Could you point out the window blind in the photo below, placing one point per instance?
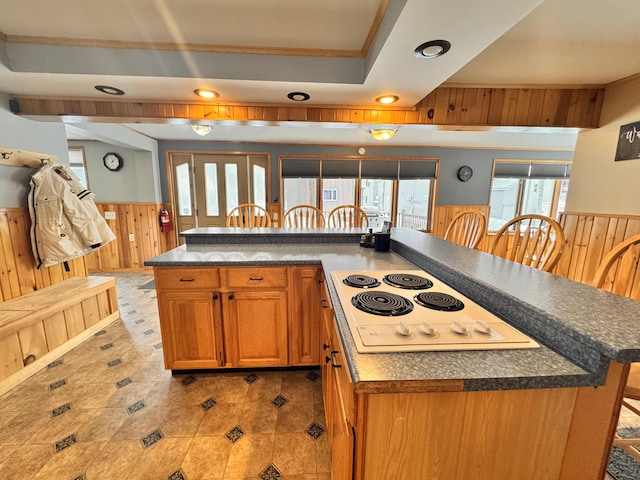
(300, 167)
(538, 170)
(417, 169)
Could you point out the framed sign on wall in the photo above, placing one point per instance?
(628, 142)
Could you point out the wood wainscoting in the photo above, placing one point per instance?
(589, 238)
(138, 237)
(18, 272)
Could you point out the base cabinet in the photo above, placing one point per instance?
(256, 333)
(245, 316)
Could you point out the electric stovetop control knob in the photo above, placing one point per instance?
(402, 329)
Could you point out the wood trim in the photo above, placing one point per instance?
(544, 107)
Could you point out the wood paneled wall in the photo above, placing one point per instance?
(141, 221)
(589, 238)
(18, 272)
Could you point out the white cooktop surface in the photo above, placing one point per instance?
(423, 329)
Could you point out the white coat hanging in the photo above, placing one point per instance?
(65, 222)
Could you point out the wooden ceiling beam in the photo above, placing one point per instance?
(445, 106)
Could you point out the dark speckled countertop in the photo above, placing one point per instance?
(579, 327)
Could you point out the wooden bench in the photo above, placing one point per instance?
(39, 327)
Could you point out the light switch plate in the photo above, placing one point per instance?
(110, 215)
(132, 237)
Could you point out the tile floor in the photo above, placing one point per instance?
(109, 410)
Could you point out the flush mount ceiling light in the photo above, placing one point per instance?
(201, 130)
(382, 134)
(432, 49)
(109, 90)
(387, 99)
(204, 93)
(298, 96)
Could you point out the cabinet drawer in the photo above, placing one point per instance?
(256, 277)
(168, 278)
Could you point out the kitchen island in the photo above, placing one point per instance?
(470, 414)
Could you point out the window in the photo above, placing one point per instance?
(396, 190)
(521, 188)
(78, 165)
(330, 194)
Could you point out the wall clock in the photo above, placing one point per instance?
(465, 173)
(112, 161)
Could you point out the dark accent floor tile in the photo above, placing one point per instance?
(124, 382)
(99, 332)
(79, 477)
(152, 438)
(312, 376)
(148, 332)
(106, 346)
(130, 312)
(315, 431)
(158, 346)
(270, 473)
(60, 410)
(58, 384)
(138, 322)
(188, 380)
(115, 362)
(55, 363)
(279, 401)
(177, 475)
(65, 442)
(252, 377)
(208, 404)
(139, 405)
(234, 434)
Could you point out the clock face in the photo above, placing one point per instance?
(112, 161)
(465, 173)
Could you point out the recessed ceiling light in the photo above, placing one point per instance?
(432, 49)
(298, 96)
(109, 90)
(204, 93)
(387, 99)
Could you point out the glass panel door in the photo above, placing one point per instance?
(376, 199)
(184, 207)
(336, 192)
(413, 203)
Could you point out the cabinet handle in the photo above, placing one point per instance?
(215, 296)
(187, 279)
(324, 303)
(325, 346)
(256, 278)
(327, 359)
(321, 280)
(333, 363)
(231, 296)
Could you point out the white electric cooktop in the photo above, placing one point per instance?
(412, 311)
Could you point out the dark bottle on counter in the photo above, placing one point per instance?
(367, 240)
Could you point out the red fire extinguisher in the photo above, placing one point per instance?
(165, 221)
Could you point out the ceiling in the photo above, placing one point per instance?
(338, 52)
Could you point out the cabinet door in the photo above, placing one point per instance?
(191, 329)
(256, 328)
(305, 316)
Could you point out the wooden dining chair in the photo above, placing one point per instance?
(304, 216)
(466, 228)
(618, 273)
(533, 240)
(248, 215)
(346, 216)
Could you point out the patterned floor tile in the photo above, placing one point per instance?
(234, 434)
(151, 439)
(65, 443)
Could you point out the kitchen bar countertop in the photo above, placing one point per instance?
(579, 327)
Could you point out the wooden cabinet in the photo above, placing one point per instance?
(338, 396)
(248, 316)
(306, 284)
(190, 323)
(189, 307)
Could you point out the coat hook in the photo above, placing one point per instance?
(5, 155)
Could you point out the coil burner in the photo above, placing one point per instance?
(361, 281)
(439, 301)
(407, 281)
(382, 303)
